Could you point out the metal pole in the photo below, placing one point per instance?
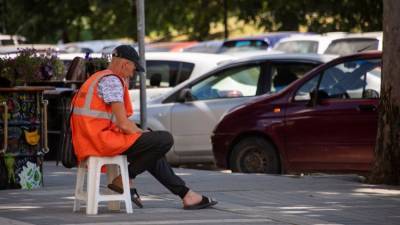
(140, 37)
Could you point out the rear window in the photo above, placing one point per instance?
(350, 46)
(243, 45)
(298, 47)
(163, 74)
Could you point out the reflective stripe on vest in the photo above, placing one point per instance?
(94, 113)
(86, 111)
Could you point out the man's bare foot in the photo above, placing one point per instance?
(191, 198)
(194, 201)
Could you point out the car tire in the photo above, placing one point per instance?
(254, 155)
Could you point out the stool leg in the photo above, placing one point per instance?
(125, 183)
(80, 180)
(112, 172)
(93, 185)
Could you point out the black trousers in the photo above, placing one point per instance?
(148, 154)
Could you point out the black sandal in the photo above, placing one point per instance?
(204, 203)
(135, 197)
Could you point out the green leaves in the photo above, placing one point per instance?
(77, 20)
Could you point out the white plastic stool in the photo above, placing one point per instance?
(92, 197)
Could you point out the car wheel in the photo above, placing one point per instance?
(254, 155)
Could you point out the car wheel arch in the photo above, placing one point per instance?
(259, 135)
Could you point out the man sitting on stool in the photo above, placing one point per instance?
(100, 127)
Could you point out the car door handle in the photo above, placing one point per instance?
(366, 108)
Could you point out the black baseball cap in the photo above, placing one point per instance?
(128, 52)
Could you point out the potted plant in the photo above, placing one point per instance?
(30, 65)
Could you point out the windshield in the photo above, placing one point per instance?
(350, 46)
(243, 45)
(298, 47)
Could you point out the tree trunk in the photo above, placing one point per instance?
(134, 24)
(387, 150)
(201, 28)
(226, 32)
(3, 11)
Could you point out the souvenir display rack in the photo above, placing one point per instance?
(24, 139)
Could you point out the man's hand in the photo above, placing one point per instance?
(122, 121)
(136, 127)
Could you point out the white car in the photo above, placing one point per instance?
(165, 70)
(356, 42)
(192, 109)
(307, 43)
(336, 43)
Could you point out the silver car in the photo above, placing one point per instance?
(192, 109)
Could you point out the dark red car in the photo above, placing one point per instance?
(324, 122)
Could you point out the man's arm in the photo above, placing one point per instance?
(122, 121)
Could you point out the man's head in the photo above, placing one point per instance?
(125, 61)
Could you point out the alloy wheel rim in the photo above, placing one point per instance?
(254, 161)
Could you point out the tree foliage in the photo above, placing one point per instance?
(317, 16)
(73, 20)
(188, 17)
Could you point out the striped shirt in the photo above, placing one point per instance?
(110, 89)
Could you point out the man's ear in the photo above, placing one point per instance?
(123, 65)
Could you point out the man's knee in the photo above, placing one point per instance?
(166, 140)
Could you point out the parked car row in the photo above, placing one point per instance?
(273, 113)
(251, 43)
(270, 104)
(338, 43)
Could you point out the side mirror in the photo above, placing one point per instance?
(185, 95)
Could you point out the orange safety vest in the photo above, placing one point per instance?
(94, 132)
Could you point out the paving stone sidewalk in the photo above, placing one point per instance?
(243, 199)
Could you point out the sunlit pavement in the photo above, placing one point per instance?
(243, 199)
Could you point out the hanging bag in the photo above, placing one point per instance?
(68, 157)
(76, 71)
